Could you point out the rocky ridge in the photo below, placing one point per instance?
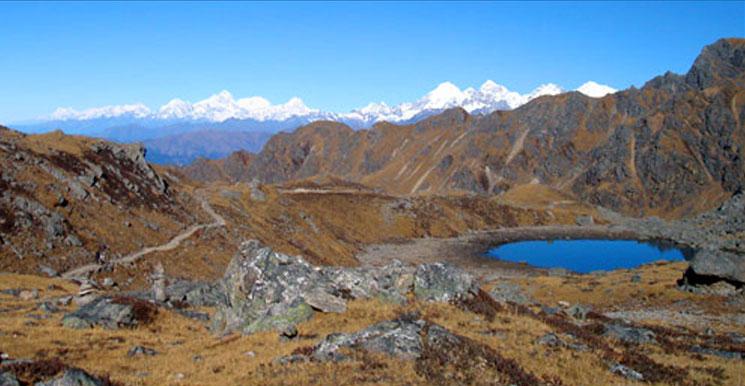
(66, 200)
(656, 150)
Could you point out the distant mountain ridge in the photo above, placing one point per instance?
(223, 106)
(222, 114)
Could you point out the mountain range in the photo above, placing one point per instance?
(221, 115)
(673, 147)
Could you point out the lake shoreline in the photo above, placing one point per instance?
(469, 251)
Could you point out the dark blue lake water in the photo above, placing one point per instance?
(585, 256)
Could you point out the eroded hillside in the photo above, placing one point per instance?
(66, 201)
(672, 148)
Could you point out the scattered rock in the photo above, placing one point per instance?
(29, 294)
(551, 340)
(48, 271)
(111, 313)
(579, 311)
(510, 293)
(630, 334)
(108, 282)
(550, 310)
(48, 307)
(141, 350)
(292, 358)
(636, 278)
(11, 291)
(719, 353)
(584, 220)
(288, 333)
(626, 372)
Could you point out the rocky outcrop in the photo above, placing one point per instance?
(265, 290)
(400, 338)
(74, 377)
(59, 194)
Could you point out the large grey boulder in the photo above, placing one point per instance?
(265, 290)
(720, 264)
(400, 338)
(111, 313)
(442, 282)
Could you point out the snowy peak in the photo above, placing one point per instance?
(223, 106)
(490, 96)
(596, 90)
(137, 110)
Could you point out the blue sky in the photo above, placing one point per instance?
(335, 56)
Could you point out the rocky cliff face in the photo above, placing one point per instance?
(672, 148)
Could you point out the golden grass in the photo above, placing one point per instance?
(191, 355)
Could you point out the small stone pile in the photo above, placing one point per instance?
(88, 292)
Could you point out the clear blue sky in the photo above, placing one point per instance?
(335, 56)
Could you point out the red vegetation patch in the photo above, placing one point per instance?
(462, 361)
(35, 371)
(591, 335)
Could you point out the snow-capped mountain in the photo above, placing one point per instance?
(180, 131)
(489, 97)
(222, 106)
(595, 90)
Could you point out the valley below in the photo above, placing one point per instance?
(341, 256)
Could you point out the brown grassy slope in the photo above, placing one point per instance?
(122, 210)
(185, 346)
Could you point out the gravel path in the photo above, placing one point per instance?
(219, 221)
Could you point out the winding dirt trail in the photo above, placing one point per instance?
(172, 244)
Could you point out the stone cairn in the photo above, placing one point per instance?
(158, 279)
(88, 292)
